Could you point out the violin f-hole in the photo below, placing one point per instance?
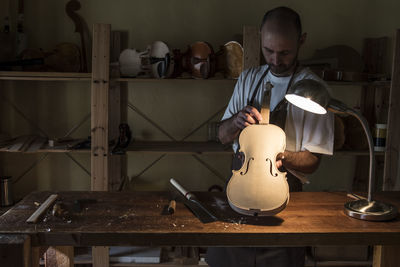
(270, 167)
(247, 168)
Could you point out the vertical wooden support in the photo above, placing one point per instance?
(60, 256)
(386, 256)
(251, 47)
(15, 250)
(100, 106)
(106, 117)
(391, 177)
(102, 257)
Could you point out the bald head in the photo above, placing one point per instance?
(282, 21)
(281, 39)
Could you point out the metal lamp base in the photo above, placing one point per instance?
(370, 210)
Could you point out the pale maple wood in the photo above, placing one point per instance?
(259, 188)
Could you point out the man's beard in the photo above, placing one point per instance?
(282, 70)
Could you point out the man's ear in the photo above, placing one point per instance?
(303, 38)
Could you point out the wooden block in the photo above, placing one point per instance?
(101, 256)
(251, 47)
(60, 256)
(15, 250)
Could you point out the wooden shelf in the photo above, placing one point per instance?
(209, 147)
(39, 144)
(44, 76)
(179, 147)
(376, 83)
(126, 79)
(36, 144)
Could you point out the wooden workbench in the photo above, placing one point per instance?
(311, 218)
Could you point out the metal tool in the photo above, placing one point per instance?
(204, 215)
(42, 208)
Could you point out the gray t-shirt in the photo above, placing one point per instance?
(304, 130)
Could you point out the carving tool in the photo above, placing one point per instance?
(204, 215)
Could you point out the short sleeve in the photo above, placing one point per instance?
(309, 131)
(236, 101)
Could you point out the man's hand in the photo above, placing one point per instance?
(247, 116)
(303, 161)
(230, 128)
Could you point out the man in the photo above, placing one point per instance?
(307, 135)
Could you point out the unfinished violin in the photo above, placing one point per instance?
(258, 188)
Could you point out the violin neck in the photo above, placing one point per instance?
(265, 105)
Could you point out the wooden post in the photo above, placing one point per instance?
(386, 256)
(391, 179)
(15, 250)
(251, 47)
(102, 257)
(106, 117)
(100, 106)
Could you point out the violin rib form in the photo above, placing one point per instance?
(259, 188)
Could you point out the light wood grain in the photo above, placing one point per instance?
(101, 256)
(100, 106)
(251, 47)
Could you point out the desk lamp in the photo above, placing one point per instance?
(313, 96)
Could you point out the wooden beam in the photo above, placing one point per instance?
(100, 106)
(251, 47)
(391, 179)
(105, 120)
(60, 256)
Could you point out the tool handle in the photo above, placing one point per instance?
(180, 188)
(171, 206)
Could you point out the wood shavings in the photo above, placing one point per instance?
(123, 216)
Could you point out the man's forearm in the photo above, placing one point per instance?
(228, 131)
(303, 161)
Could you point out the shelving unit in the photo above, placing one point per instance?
(107, 94)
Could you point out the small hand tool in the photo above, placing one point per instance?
(194, 204)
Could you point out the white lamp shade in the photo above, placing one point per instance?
(305, 103)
